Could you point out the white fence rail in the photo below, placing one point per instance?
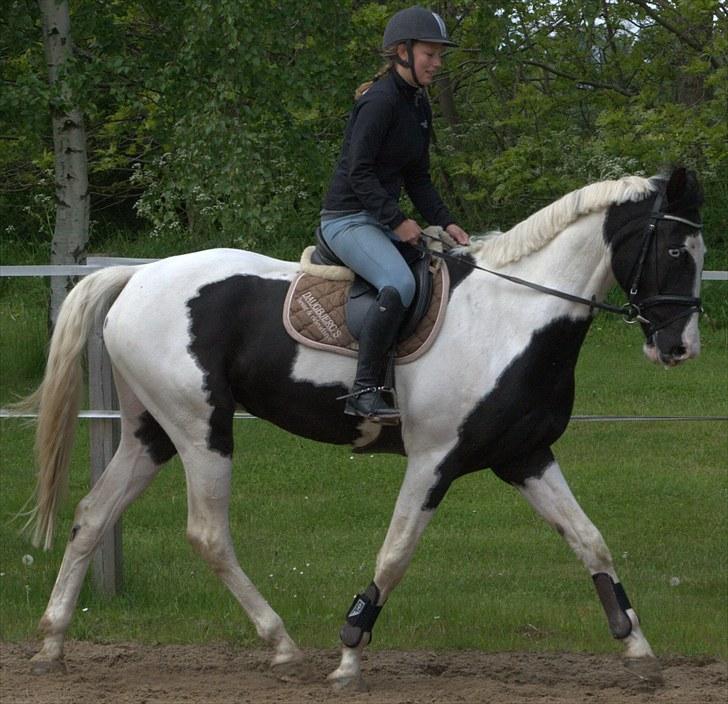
(96, 263)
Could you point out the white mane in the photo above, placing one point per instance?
(540, 228)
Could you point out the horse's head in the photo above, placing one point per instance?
(657, 257)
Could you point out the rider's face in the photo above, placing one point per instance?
(427, 60)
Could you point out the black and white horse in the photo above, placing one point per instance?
(193, 337)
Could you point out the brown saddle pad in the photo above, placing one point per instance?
(314, 314)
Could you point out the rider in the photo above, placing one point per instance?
(386, 146)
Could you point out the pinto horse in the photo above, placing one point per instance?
(193, 337)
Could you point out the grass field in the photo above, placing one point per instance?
(308, 520)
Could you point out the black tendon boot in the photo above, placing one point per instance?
(378, 334)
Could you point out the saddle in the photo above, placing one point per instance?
(327, 302)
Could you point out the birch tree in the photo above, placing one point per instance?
(71, 229)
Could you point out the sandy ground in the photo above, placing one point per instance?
(216, 674)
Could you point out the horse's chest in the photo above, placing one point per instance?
(529, 403)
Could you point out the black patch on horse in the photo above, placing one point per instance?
(238, 340)
(152, 436)
(512, 428)
(459, 267)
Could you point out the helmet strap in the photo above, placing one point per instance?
(409, 63)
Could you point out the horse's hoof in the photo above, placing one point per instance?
(348, 683)
(297, 670)
(647, 669)
(47, 667)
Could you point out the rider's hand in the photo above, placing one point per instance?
(408, 231)
(457, 233)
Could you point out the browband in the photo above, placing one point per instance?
(697, 225)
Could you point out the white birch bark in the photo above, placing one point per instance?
(71, 230)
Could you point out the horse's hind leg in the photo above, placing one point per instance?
(551, 497)
(130, 471)
(208, 530)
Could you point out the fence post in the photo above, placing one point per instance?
(104, 439)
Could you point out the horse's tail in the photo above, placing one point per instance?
(58, 398)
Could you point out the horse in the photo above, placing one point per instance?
(194, 337)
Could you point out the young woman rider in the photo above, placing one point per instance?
(386, 147)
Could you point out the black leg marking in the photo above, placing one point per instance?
(361, 617)
(615, 602)
(152, 436)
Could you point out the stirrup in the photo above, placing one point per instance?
(386, 415)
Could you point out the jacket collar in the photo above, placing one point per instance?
(409, 91)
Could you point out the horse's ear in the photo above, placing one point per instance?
(677, 184)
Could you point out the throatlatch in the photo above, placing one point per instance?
(361, 617)
(615, 602)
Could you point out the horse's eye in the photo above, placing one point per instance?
(675, 252)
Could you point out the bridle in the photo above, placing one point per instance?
(634, 311)
(691, 304)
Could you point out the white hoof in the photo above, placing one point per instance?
(647, 669)
(44, 666)
(349, 683)
(286, 656)
(293, 671)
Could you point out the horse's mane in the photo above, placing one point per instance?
(500, 248)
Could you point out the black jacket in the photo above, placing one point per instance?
(386, 146)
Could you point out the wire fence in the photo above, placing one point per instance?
(240, 415)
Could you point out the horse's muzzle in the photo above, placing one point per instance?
(674, 355)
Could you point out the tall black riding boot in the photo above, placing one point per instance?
(378, 334)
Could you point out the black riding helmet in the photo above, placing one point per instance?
(415, 24)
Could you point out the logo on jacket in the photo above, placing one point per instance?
(424, 124)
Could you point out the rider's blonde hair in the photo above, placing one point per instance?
(389, 55)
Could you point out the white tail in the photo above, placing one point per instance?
(58, 398)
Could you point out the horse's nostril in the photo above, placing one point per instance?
(677, 351)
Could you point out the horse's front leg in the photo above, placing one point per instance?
(551, 497)
(408, 522)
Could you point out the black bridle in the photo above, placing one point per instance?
(634, 310)
(637, 307)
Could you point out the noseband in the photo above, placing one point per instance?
(631, 312)
(635, 310)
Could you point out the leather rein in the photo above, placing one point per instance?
(632, 311)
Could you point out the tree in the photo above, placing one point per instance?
(221, 121)
(71, 230)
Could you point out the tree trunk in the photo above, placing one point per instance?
(446, 98)
(69, 144)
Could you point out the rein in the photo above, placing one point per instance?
(591, 302)
(630, 311)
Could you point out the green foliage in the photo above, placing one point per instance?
(220, 122)
(555, 95)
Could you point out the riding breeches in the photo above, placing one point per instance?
(366, 246)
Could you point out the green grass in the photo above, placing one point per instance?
(308, 520)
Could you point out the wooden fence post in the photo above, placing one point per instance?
(104, 439)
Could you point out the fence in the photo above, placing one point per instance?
(107, 565)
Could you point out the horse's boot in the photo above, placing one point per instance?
(378, 334)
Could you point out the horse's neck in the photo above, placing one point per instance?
(576, 261)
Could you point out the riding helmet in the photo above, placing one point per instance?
(416, 24)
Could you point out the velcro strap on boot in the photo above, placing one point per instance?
(615, 602)
(361, 617)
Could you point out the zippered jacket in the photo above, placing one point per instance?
(386, 147)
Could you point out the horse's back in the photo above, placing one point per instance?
(207, 266)
(158, 303)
